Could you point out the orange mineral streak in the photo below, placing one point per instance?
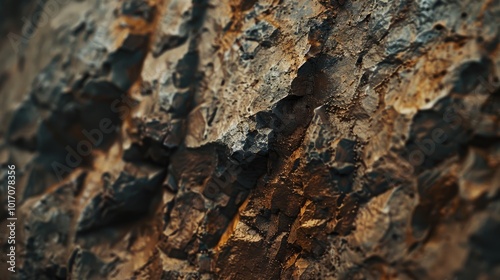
(231, 227)
(227, 40)
(487, 6)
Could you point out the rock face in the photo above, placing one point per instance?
(252, 139)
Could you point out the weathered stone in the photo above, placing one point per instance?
(252, 139)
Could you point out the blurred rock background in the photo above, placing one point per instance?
(252, 139)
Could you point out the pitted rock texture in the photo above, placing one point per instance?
(253, 139)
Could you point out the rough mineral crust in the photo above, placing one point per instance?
(252, 139)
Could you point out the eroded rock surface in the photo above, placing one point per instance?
(254, 139)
